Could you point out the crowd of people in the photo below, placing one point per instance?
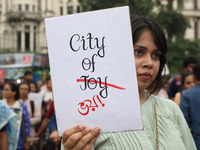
(24, 121)
(27, 119)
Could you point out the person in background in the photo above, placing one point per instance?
(48, 95)
(175, 85)
(164, 88)
(2, 83)
(28, 77)
(39, 84)
(24, 90)
(33, 87)
(50, 122)
(190, 106)
(8, 128)
(163, 121)
(187, 82)
(11, 99)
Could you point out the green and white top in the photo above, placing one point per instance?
(174, 133)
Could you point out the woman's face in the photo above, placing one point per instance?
(147, 59)
(189, 82)
(7, 92)
(23, 90)
(32, 88)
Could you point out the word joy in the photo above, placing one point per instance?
(86, 105)
(91, 83)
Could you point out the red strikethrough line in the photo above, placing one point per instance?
(93, 81)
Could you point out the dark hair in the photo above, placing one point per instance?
(14, 88)
(27, 73)
(35, 86)
(48, 79)
(184, 75)
(29, 88)
(139, 24)
(196, 71)
(189, 60)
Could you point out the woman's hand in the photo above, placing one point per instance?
(27, 144)
(54, 137)
(80, 138)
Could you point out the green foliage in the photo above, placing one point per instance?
(173, 22)
(178, 50)
(142, 7)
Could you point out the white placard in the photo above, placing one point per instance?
(93, 70)
(37, 98)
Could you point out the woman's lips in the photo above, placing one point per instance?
(145, 76)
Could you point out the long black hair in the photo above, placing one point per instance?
(14, 88)
(139, 24)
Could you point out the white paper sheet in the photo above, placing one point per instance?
(93, 70)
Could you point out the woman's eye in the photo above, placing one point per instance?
(156, 55)
(138, 52)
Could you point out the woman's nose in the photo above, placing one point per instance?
(148, 62)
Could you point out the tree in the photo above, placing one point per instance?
(173, 22)
(180, 49)
(142, 7)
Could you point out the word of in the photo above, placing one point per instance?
(86, 105)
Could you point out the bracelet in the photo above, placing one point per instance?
(36, 138)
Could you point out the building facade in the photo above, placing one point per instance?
(190, 9)
(22, 22)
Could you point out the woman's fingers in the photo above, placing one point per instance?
(69, 132)
(87, 140)
(76, 137)
(80, 137)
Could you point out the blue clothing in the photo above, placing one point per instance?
(27, 127)
(52, 123)
(190, 106)
(8, 119)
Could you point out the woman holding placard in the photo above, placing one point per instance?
(164, 124)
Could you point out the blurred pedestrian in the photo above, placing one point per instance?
(187, 82)
(11, 99)
(28, 77)
(50, 122)
(8, 128)
(24, 90)
(164, 88)
(175, 85)
(33, 87)
(48, 95)
(2, 83)
(190, 106)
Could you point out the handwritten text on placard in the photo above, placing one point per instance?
(90, 42)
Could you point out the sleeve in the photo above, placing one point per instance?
(26, 120)
(185, 106)
(184, 129)
(50, 111)
(52, 123)
(36, 118)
